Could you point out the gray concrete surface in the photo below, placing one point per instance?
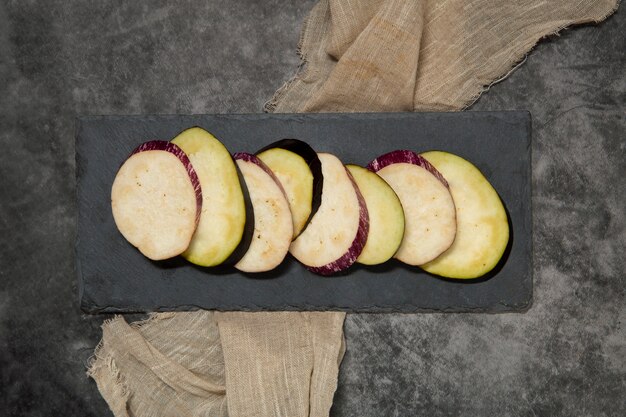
(564, 357)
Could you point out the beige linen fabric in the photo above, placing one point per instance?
(169, 365)
(360, 55)
(179, 364)
(286, 363)
(411, 55)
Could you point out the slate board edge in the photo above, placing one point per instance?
(78, 124)
(531, 243)
(501, 308)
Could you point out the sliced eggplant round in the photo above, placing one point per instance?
(386, 217)
(273, 227)
(337, 233)
(482, 223)
(430, 214)
(298, 168)
(226, 222)
(156, 199)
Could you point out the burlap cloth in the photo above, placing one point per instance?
(358, 55)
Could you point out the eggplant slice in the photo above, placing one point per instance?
(482, 222)
(156, 200)
(386, 216)
(337, 233)
(227, 220)
(429, 211)
(298, 168)
(273, 227)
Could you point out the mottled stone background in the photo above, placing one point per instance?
(564, 357)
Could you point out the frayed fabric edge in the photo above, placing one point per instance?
(272, 103)
(521, 58)
(103, 369)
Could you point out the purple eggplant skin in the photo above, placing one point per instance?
(248, 229)
(310, 157)
(407, 157)
(349, 258)
(248, 157)
(163, 145)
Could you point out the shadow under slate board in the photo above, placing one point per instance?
(114, 277)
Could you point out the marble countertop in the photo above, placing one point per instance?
(565, 356)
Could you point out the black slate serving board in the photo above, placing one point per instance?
(114, 277)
